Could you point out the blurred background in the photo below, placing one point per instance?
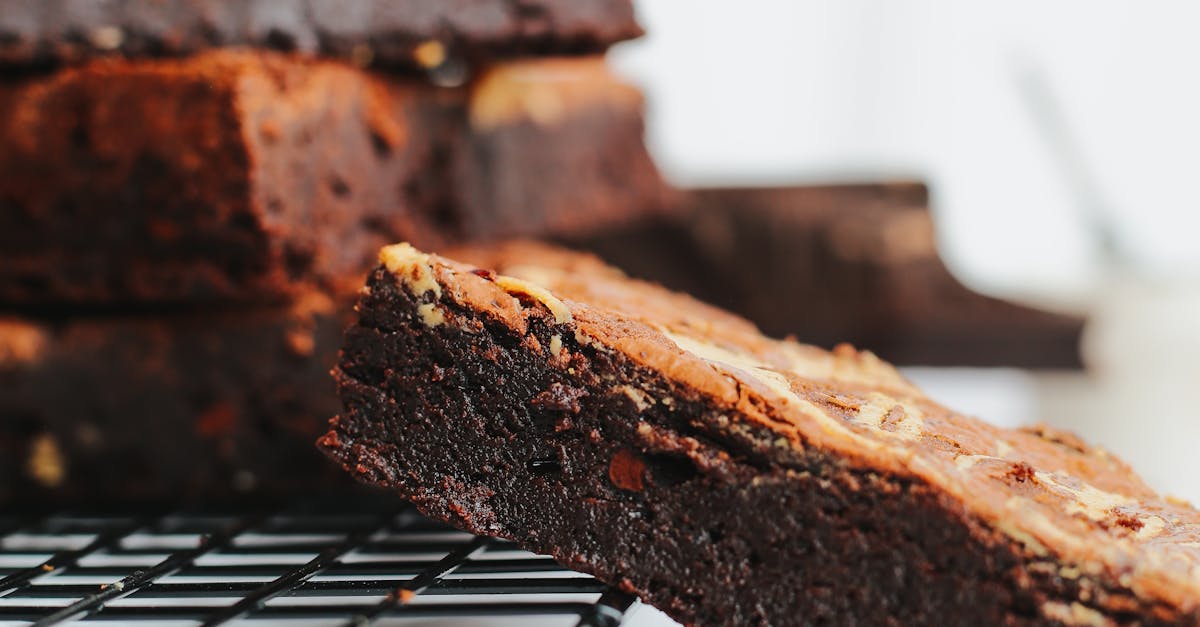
(1059, 142)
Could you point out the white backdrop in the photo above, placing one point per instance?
(784, 90)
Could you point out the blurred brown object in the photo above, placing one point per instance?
(414, 35)
(851, 263)
(210, 405)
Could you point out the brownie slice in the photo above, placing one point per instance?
(240, 176)
(727, 478)
(561, 135)
(409, 35)
(860, 263)
(214, 405)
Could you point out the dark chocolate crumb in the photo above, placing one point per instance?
(1127, 521)
(1022, 472)
(559, 397)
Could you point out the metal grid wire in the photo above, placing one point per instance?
(301, 564)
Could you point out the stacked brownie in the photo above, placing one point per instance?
(191, 193)
(412, 35)
(860, 265)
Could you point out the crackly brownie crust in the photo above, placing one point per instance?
(726, 478)
(214, 405)
(285, 172)
(862, 266)
(410, 35)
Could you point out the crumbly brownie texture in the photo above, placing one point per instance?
(727, 478)
(414, 34)
(861, 265)
(238, 176)
(213, 406)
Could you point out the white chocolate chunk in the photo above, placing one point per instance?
(1086, 499)
(412, 267)
(1075, 614)
(513, 285)
(46, 463)
(431, 316)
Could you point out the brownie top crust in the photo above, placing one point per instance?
(545, 90)
(1075, 508)
(411, 35)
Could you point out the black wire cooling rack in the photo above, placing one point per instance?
(304, 564)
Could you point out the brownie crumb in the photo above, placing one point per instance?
(485, 273)
(1127, 521)
(559, 397)
(627, 471)
(1022, 472)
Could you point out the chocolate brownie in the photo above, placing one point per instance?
(240, 176)
(412, 35)
(672, 450)
(213, 405)
(860, 263)
(562, 135)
